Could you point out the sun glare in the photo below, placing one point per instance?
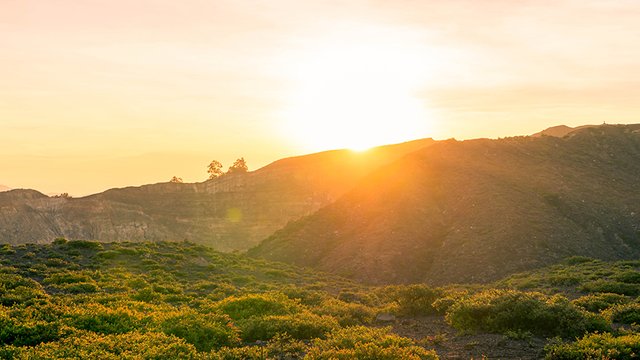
(357, 94)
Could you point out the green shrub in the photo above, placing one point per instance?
(510, 310)
(616, 287)
(352, 296)
(347, 314)
(367, 344)
(80, 288)
(257, 305)
(244, 353)
(15, 289)
(301, 326)
(55, 262)
(443, 304)
(629, 277)
(149, 346)
(280, 347)
(67, 278)
(598, 302)
(59, 241)
(108, 254)
(413, 299)
(597, 347)
(624, 313)
(305, 296)
(25, 331)
(105, 320)
(146, 294)
(204, 331)
(83, 244)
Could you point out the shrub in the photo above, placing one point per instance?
(598, 302)
(347, 314)
(280, 347)
(244, 353)
(304, 296)
(108, 254)
(629, 277)
(15, 289)
(59, 241)
(301, 326)
(67, 278)
(443, 304)
(597, 347)
(146, 294)
(624, 313)
(83, 244)
(105, 320)
(23, 331)
(615, 287)
(80, 288)
(204, 331)
(151, 346)
(257, 305)
(367, 344)
(413, 299)
(509, 310)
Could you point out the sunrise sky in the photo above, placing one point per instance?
(107, 93)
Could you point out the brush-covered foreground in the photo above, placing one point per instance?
(82, 299)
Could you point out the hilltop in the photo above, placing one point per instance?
(561, 130)
(232, 212)
(477, 210)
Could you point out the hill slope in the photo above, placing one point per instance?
(561, 130)
(478, 210)
(228, 213)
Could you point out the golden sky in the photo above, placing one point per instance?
(107, 93)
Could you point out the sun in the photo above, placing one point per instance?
(357, 93)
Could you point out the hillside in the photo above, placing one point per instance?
(478, 210)
(561, 130)
(179, 300)
(232, 212)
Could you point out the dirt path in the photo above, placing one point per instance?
(434, 332)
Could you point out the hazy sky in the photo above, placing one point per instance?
(103, 93)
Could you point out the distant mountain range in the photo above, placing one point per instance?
(466, 211)
(4, 188)
(233, 212)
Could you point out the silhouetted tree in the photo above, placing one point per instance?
(238, 167)
(177, 180)
(215, 169)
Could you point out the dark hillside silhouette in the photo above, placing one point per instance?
(478, 210)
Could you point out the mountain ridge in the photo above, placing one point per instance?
(232, 212)
(476, 210)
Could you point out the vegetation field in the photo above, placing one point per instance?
(178, 300)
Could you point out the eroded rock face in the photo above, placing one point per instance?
(233, 212)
